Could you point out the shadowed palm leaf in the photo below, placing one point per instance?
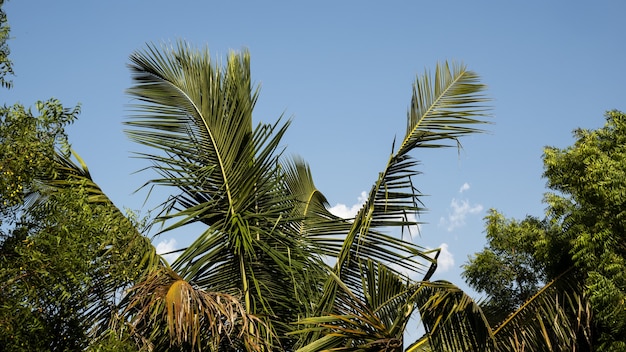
(453, 320)
(374, 324)
(557, 318)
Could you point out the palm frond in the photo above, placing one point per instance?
(441, 110)
(373, 320)
(453, 321)
(444, 107)
(557, 318)
(421, 345)
(198, 117)
(193, 318)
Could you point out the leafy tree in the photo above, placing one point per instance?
(27, 146)
(65, 250)
(582, 234)
(62, 250)
(508, 269)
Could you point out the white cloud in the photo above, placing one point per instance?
(460, 209)
(464, 188)
(166, 246)
(346, 212)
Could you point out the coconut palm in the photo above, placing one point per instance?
(272, 268)
(268, 232)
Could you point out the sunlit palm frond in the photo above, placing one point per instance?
(444, 107)
(557, 318)
(421, 345)
(200, 117)
(441, 110)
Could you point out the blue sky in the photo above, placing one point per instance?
(343, 72)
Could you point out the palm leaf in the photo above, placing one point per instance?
(453, 321)
(127, 255)
(376, 323)
(442, 110)
(557, 318)
(198, 116)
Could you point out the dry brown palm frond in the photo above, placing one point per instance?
(192, 317)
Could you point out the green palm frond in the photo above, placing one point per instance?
(322, 229)
(557, 318)
(200, 117)
(442, 109)
(439, 111)
(373, 320)
(421, 345)
(453, 321)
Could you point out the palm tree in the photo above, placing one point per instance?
(257, 278)
(268, 230)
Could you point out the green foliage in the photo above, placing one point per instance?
(584, 231)
(589, 180)
(512, 267)
(63, 249)
(27, 149)
(48, 274)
